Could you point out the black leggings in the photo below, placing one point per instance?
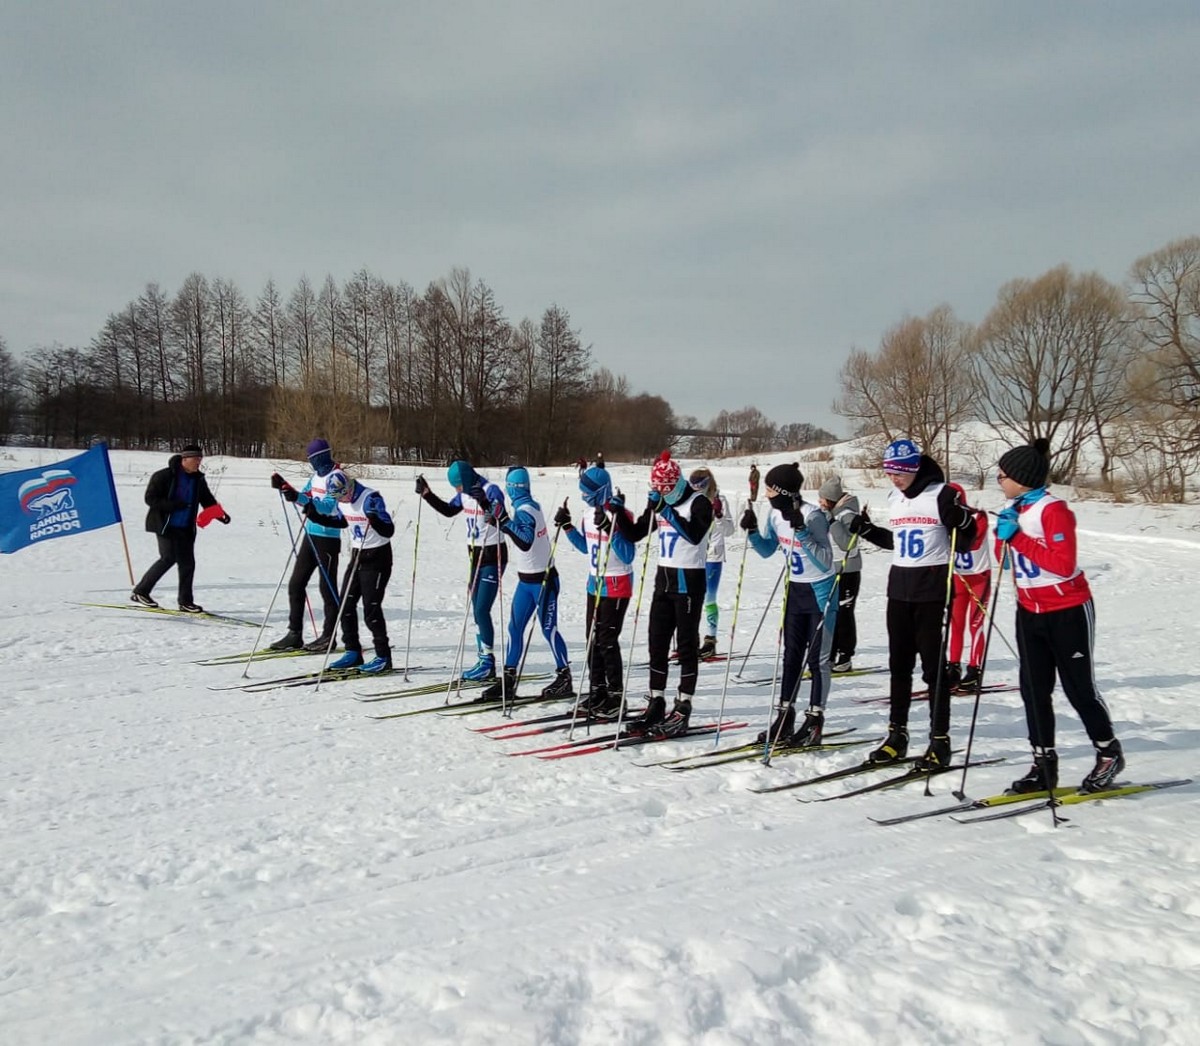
(915, 629)
(604, 661)
(176, 548)
(312, 547)
(368, 584)
(676, 614)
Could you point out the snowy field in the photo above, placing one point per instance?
(182, 864)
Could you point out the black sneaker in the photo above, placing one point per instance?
(1041, 777)
(676, 723)
(1110, 761)
(653, 714)
(191, 608)
(970, 679)
(937, 755)
(320, 645)
(708, 648)
(292, 641)
(893, 749)
(144, 601)
(780, 733)
(561, 685)
(811, 730)
(505, 686)
(601, 704)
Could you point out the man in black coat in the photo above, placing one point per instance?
(175, 496)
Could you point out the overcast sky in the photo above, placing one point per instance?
(725, 197)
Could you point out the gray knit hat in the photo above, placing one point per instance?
(831, 490)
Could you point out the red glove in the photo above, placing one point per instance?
(213, 512)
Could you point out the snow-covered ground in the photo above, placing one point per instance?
(183, 864)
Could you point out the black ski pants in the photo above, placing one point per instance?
(1060, 642)
(176, 548)
(604, 660)
(369, 570)
(320, 554)
(845, 635)
(801, 645)
(915, 630)
(676, 615)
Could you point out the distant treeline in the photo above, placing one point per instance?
(373, 366)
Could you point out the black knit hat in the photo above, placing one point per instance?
(787, 479)
(191, 450)
(1029, 465)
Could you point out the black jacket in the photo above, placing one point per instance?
(162, 498)
(926, 584)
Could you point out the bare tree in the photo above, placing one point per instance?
(1049, 361)
(10, 389)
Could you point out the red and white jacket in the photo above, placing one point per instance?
(1046, 567)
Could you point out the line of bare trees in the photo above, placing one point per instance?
(1101, 371)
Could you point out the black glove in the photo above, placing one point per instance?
(310, 510)
(859, 524)
(562, 518)
(500, 514)
(600, 518)
(480, 495)
(277, 481)
(290, 493)
(422, 487)
(617, 501)
(225, 519)
(749, 519)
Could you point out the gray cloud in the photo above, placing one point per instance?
(725, 197)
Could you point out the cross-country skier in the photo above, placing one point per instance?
(480, 501)
(680, 518)
(318, 552)
(802, 531)
(362, 511)
(840, 508)
(968, 610)
(536, 589)
(610, 558)
(703, 481)
(923, 512)
(1056, 619)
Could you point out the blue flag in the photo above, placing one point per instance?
(66, 498)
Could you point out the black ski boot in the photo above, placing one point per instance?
(893, 749)
(811, 730)
(952, 675)
(676, 724)
(1042, 776)
(561, 685)
(504, 687)
(292, 641)
(1110, 761)
(708, 648)
(937, 755)
(320, 644)
(780, 734)
(653, 714)
(970, 679)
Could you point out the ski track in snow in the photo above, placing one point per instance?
(186, 865)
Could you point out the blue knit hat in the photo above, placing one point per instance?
(516, 485)
(460, 474)
(595, 485)
(902, 455)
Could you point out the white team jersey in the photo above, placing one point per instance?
(801, 566)
(674, 550)
(978, 561)
(1028, 575)
(362, 535)
(481, 525)
(720, 530)
(535, 559)
(919, 538)
(596, 542)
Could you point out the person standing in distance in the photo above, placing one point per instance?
(178, 498)
(318, 551)
(840, 508)
(753, 483)
(1056, 619)
(704, 482)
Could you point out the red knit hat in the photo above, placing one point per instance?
(664, 473)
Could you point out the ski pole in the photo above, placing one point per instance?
(766, 610)
(351, 574)
(961, 793)
(591, 637)
(288, 520)
(271, 606)
(737, 600)
(475, 555)
(500, 564)
(412, 595)
(936, 698)
(538, 610)
(637, 610)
